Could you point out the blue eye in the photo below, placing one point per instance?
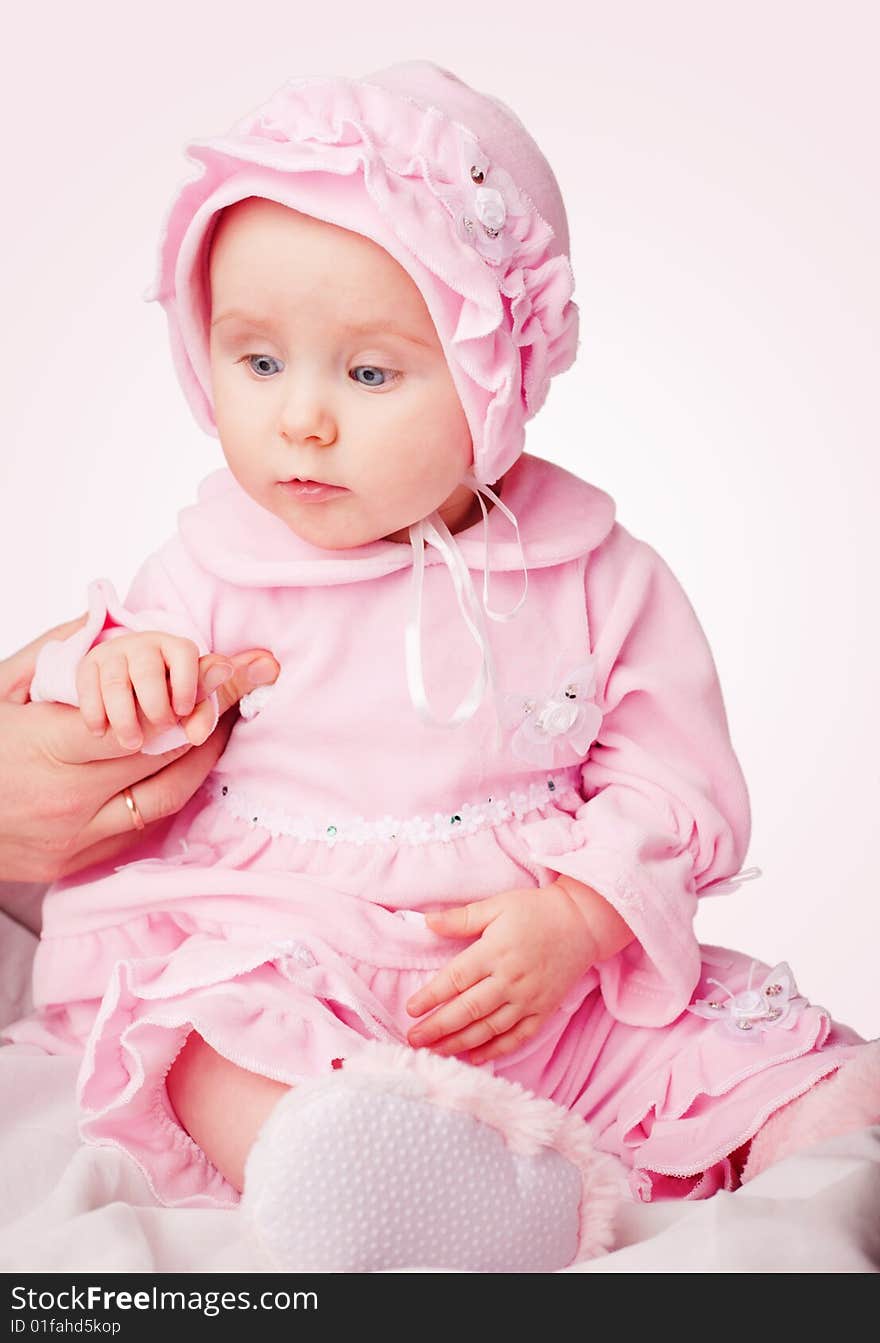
(389, 375)
(261, 364)
(262, 359)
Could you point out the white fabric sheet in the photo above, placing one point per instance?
(68, 1207)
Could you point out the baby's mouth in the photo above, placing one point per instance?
(316, 490)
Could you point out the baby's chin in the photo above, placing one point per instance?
(322, 524)
(332, 524)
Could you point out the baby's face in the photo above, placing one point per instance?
(299, 392)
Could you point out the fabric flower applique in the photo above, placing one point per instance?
(558, 725)
(750, 1013)
(498, 221)
(484, 203)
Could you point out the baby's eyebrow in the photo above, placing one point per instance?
(353, 328)
(366, 328)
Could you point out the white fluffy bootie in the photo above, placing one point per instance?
(404, 1158)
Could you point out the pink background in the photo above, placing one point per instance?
(719, 165)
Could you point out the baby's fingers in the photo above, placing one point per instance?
(507, 1041)
(455, 978)
(119, 702)
(88, 692)
(147, 671)
(182, 660)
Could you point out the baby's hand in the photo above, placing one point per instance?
(137, 669)
(535, 944)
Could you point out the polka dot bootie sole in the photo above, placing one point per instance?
(408, 1159)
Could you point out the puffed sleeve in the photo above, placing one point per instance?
(666, 809)
(168, 593)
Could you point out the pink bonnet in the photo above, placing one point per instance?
(446, 179)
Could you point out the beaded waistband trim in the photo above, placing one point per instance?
(469, 817)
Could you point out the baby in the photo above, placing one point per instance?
(368, 291)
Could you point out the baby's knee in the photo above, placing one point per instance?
(220, 1105)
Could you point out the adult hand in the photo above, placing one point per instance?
(61, 803)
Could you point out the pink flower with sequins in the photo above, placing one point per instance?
(749, 1014)
(484, 203)
(558, 724)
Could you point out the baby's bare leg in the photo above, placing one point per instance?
(221, 1106)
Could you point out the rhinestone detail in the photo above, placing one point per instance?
(465, 820)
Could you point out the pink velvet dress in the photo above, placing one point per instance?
(280, 912)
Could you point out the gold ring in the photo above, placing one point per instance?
(133, 808)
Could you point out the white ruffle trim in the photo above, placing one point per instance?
(465, 820)
(252, 703)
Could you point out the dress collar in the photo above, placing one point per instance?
(560, 517)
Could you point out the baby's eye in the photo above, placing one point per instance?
(258, 363)
(389, 375)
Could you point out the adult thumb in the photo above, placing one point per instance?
(251, 669)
